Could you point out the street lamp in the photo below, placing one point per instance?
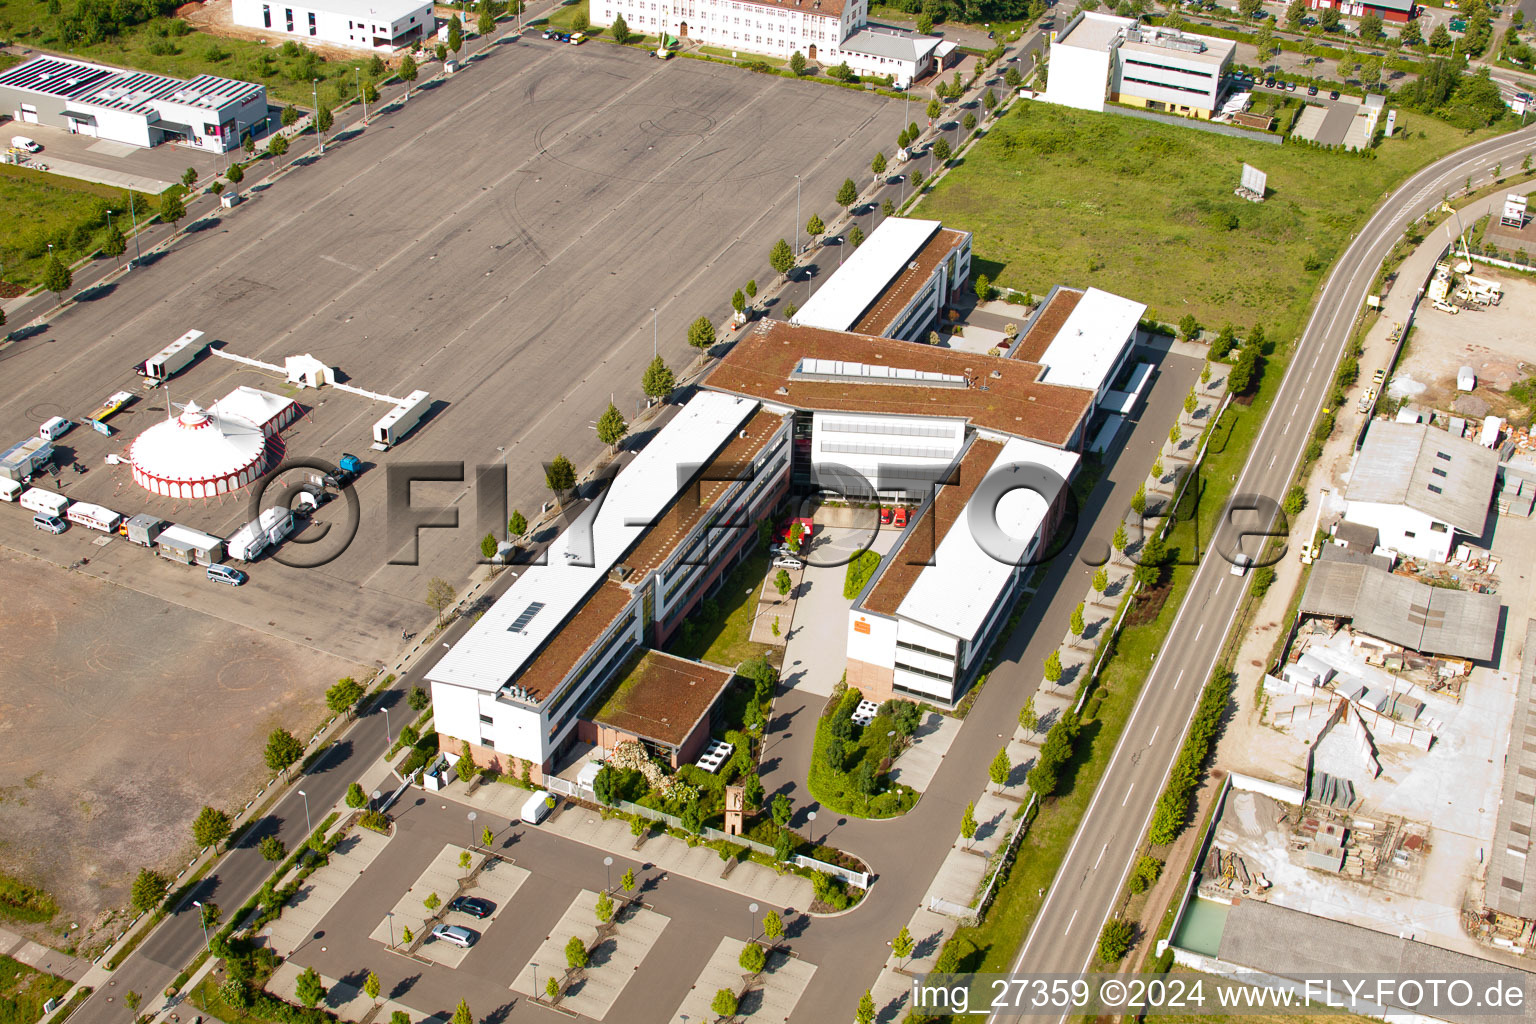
(752, 931)
(360, 94)
(472, 817)
(386, 722)
(132, 212)
(797, 216)
(375, 805)
(318, 133)
(390, 916)
(202, 919)
(308, 825)
(535, 966)
(653, 332)
(810, 817)
(608, 869)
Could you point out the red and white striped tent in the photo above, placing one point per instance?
(203, 453)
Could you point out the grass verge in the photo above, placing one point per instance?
(38, 208)
(22, 902)
(24, 990)
(720, 630)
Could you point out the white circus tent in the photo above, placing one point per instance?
(203, 453)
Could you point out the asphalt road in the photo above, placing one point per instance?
(1090, 878)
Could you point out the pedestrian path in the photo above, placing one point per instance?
(614, 955)
(40, 957)
(320, 891)
(771, 996)
(344, 1000)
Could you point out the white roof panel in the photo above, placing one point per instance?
(1085, 349)
(956, 593)
(492, 653)
(839, 303)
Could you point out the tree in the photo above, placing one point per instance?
(1115, 940)
(405, 936)
(418, 699)
(1013, 79)
(968, 121)
(1149, 561)
(934, 109)
(783, 845)
(272, 848)
(1328, 19)
(738, 300)
(1205, 375)
(277, 145)
(560, 476)
(440, 596)
(324, 119)
(1189, 327)
(701, 333)
(456, 34)
(989, 100)
(781, 809)
(1028, 718)
(148, 890)
(620, 30)
(603, 908)
(488, 546)
(441, 51)
(1369, 27)
(171, 210)
(465, 766)
(56, 277)
(780, 258)
(903, 944)
(814, 226)
(842, 72)
(371, 986)
(998, 770)
(210, 827)
(433, 901)
(1410, 35)
(658, 381)
(1052, 667)
(724, 1003)
(878, 164)
(924, 23)
(866, 1011)
(856, 236)
(752, 958)
(967, 829)
(847, 194)
(1076, 623)
(552, 989)
(611, 428)
(627, 880)
(1295, 500)
(1139, 500)
(941, 150)
(1296, 15)
(773, 926)
(753, 787)
(235, 174)
(1157, 468)
(114, 245)
(1241, 376)
(355, 796)
(575, 954)
(310, 990)
(751, 288)
(1100, 581)
(249, 145)
(290, 116)
(887, 208)
(462, 1014)
(133, 1001)
(782, 583)
(916, 178)
(1145, 874)
(283, 749)
(797, 63)
(407, 73)
(1119, 540)
(983, 287)
(189, 177)
(486, 23)
(344, 695)
(370, 91)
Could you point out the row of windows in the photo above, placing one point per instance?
(1170, 70)
(1165, 85)
(946, 655)
(925, 673)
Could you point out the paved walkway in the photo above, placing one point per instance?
(101, 175)
(614, 955)
(771, 996)
(321, 890)
(40, 957)
(585, 826)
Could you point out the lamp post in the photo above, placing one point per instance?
(360, 94)
(386, 722)
(653, 332)
(308, 825)
(202, 919)
(472, 817)
(797, 216)
(752, 931)
(318, 133)
(390, 916)
(133, 213)
(810, 827)
(535, 965)
(608, 870)
(377, 794)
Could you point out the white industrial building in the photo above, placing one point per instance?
(826, 32)
(1420, 487)
(379, 25)
(133, 107)
(1101, 56)
(896, 283)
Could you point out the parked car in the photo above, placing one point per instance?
(227, 574)
(1311, 90)
(455, 935)
(1378, 377)
(550, 33)
(474, 906)
(22, 142)
(1333, 94)
(788, 562)
(53, 524)
(1291, 86)
(1269, 83)
(899, 520)
(576, 39)
(885, 516)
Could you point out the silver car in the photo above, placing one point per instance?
(455, 935)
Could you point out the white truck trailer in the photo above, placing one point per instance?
(266, 530)
(172, 359)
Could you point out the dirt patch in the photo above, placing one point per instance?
(217, 18)
(121, 716)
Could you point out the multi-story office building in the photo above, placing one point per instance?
(1099, 56)
(380, 25)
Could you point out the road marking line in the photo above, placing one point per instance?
(1128, 794)
(1101, 857)
(1154, 735)
(1272, 459)
(1200, 630)
(1179, 680)
(1069, 923)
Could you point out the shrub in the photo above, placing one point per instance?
(355, 795)
(1173, 805)
(860, 569)
(1115, 940)
(1145, 874)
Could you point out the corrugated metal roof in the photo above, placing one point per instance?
(1447, 478)
(57, 76)
(1403, 611)
(1511, 885)
(838, 304)
(890, 43)
(1084, 350)
(492, 653)
(957, 593)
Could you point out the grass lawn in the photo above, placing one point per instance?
(22, 902)
(1057, 196)
(837, 787)
(23, 991)
(37, 208)
(724, 638)
(156, 46)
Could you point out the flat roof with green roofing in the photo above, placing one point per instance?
(660, 697)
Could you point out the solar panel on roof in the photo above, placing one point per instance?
(521, 622)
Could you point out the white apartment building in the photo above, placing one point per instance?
(776, 28)
(379, 25)
(1099, 56)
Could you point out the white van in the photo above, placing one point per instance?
(537, 808)
(44, 502)
(10, 490)
(55, 428)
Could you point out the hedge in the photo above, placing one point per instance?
(1173, 805)
(860, 569)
